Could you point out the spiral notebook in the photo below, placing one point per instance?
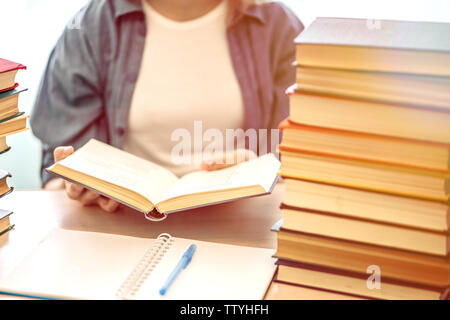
(89, 265)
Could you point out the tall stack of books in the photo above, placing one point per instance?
(11, 121)
(366, 157)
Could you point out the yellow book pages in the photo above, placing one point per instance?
(375, 206)
(7, 79)
(381, 45)
(370, 117)
(339, 227)
(283, 291)
(351, 285)
(384, 87)
(14, 125)
(354, 256)
(369, 147)
(366, 175)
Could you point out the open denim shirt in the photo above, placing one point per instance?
(88, 84)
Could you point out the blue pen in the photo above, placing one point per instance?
(184, 261)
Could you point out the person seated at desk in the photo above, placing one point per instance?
(130, 72)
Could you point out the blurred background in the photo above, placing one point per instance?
(33, 27)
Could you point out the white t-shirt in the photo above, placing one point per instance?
(186, 75)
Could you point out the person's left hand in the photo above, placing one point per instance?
(226, 160)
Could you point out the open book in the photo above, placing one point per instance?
(155, 191)
(89, 265)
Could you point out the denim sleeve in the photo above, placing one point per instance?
(287, 28)
(68, 109)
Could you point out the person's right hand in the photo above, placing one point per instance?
(76, 192)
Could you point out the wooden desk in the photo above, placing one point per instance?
(245, 222)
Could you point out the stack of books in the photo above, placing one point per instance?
(11, 121)
(366, 157)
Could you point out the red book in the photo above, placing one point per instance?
(8, 70)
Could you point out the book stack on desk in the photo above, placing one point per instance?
(365, 157)
(11, 121)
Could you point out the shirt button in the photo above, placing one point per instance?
(120, 131)
(132, 77)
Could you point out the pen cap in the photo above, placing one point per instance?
(189, 253)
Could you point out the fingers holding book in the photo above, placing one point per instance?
(79, 193)
(107, 205)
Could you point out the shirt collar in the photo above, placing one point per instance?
(124, 7)
(256, 12)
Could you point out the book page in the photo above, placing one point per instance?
(260, 171)
(123, 169)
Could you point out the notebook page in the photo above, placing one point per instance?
(107, 163)
(217, 271)
(89, 265)
(77, 265)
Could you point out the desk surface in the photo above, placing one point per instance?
(244, 222)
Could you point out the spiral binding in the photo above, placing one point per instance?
(144, 268)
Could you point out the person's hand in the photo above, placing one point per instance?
(76, 192)
(225, 160)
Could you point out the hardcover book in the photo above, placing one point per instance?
(9, 104)
(382, 45)
(288, 291)
(3, 144)
(4, 188)
(154, 190)
(356, 256)
(364, 231)
(8, 71)
(13, 124)
(396, 88)
(371, 206)
(366, 175)
(355, 283)
(5, 223)
(369, 117)
(363, 146)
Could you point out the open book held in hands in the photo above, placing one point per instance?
(156, 191)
